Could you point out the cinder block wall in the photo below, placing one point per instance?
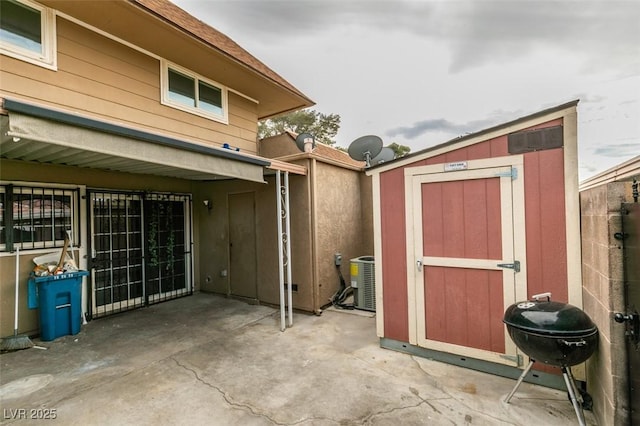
(603, 295)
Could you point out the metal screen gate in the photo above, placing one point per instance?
(140, 250)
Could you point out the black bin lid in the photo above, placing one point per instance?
(547, 317)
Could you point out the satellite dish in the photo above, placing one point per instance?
(305, 142)
(387, 154)
(365, 148)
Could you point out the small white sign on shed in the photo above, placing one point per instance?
(458, 165)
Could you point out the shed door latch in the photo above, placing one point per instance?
(515, 265)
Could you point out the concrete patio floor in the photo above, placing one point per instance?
(207, 359)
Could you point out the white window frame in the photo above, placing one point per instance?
(166, 100)
(47, 58)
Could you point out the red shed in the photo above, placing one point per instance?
(466, 228)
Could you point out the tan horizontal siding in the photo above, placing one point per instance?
(127, 115)
(242, 107)
(103, 79)
(100, 82)
(81, 43)
(111, 71)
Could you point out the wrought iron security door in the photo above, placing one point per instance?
(167, 259)
(140, 245)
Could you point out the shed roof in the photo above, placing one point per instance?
(472, 138)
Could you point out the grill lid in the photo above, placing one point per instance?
(547, 317)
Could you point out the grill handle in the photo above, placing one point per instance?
(537, 297)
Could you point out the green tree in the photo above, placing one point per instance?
(323, 127)
(400, 150)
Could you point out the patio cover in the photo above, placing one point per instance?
(33, 133)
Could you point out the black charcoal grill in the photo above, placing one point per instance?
(554, 333)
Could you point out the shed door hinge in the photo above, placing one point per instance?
(513, 174)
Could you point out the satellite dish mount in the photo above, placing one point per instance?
(305, 142)
(365, 148)
(387, 154)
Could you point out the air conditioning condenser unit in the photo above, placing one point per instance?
(363, 282)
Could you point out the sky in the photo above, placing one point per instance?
(420, 73)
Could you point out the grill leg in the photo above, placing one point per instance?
(573, 393)
(520, 379)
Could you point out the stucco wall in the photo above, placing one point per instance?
(300, 239)
(278, 146)
(603, 295)
(340, 208)
(340, 227)
(214, 231)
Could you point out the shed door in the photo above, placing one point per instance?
(468, 238)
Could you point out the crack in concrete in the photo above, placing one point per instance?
(433, 407)
(257, 320)
(368, 417)
(224, 395)
(244, 406)
(439, 387)
(433, 381)
(256, 412)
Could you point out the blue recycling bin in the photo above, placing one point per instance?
(59, 298)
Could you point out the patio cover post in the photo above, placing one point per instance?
(280, 255)
(284, 246)
(288, 243)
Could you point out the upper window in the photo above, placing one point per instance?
(27, 32)
(188, 91)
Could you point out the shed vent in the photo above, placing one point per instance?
(535, 140)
